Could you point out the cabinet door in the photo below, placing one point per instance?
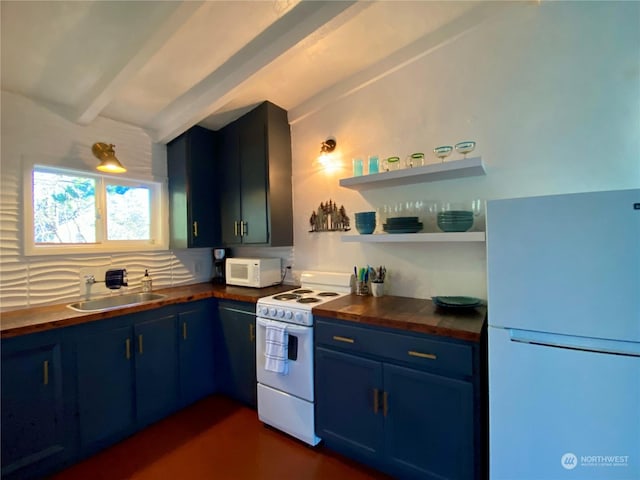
(105, 368)
(195, 330)
(156, 353)
(32, 405)
(229, 164)
(428, 425)
(236, 352)
(193, 200)
(349, 414)
(253, 172)
(203, 200)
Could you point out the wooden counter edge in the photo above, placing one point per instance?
(65, 317)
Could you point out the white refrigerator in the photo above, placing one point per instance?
(564, 336)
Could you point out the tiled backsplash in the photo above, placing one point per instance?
(47, 280)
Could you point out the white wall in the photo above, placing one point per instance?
(551, 95)
(33, 133)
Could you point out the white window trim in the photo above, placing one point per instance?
(159, 216)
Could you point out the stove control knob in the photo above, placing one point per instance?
(272, 312)
(264, 310)
(299, 316)
(280, 312)
(288, 314)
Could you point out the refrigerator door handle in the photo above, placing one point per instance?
(595, 345)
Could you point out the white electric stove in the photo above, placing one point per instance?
(285, 400)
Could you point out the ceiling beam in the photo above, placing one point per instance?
(170, 18)
(216, 90)
(399, 59)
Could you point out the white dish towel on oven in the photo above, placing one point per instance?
(277, 348)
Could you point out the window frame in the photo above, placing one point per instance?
(158, 191)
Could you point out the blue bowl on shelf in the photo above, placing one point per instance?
(458, 225)
(365, 216)
(365, 228)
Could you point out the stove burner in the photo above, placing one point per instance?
(308, 300)
(302, 290)
(286, 296)
(328, 294)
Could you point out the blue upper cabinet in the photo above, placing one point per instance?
(35, 420)
(194, 184)
(254, 158)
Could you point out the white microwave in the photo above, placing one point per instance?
(253, 272)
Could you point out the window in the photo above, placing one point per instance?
(70, 211)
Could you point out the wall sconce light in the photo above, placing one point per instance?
(107, 156)
(325, 159)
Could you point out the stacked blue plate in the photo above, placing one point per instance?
(457, 302)
(455, 220)
(402, 225)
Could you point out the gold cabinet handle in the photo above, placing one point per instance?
(195, 229)
(338, 338)
(243, 228)
(184, 330)
(430, 356)
(140, 344)
(252, 333)
(385, 403)
(45, 372)
(127, 348)
(235, 228)
(376, 402)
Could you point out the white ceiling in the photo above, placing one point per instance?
(168, 65)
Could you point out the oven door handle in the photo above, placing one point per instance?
(291, 328)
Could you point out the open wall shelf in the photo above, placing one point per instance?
(416, 237)
(466, 167)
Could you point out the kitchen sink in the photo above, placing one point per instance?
(116, 301)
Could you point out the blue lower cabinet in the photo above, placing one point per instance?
(196, 340)
(127, 375)
(105, 367)
(72, 391)
(35, 407)
(236, 351)
(428, 424)
(386, 399)
(348, 404)
(156, 360)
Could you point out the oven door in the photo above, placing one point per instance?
(299, 380)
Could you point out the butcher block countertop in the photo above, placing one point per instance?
(38, 319)
(412, 314)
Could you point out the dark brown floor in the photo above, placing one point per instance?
(215, 439)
